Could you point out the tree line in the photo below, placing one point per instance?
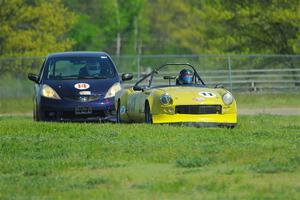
(38, 27)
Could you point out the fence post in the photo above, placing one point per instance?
(138, 60)
(229, 72)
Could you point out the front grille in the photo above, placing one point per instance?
(198, 109)
(83, 98)
(72, 115)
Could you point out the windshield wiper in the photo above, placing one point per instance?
(100, 77)
(81, 77)
(92, 77)
(68, 77)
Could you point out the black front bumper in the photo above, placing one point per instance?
(59, 110)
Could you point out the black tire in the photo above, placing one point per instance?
(39, 116)
(148, 116)
(119, 120)
(36, 114)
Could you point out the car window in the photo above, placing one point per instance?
(80, 68)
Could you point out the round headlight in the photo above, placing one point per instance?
(113, 90)
(227, 98)
(49, 92)
(166, 99)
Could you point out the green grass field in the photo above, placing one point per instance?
(260, 159)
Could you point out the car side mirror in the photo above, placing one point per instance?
(33, 77)
(137, 88)
(127, 77)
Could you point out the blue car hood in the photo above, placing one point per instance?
(66, 88)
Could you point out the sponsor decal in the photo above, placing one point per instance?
(85, 93)
(207, 94)
(198, 99)
(122, 109)
(82, 86)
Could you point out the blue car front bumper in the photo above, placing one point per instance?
(63, 110)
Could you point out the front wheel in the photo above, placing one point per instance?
(38, 116)
(148, 116)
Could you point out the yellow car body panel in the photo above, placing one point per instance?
(132, 105)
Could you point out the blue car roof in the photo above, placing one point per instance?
(77, 54)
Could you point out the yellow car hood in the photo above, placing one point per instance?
(184, 95)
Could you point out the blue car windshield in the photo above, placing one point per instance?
(80, 68)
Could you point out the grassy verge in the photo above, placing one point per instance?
(16, 105)
(244, 100)
(275, 100)
(259, 159)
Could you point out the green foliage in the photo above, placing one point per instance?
(33, 28)
(226, 26)
(110, 20)
(264, 26)
(86, 34)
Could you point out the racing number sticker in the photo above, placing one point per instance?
(82, 86)
(207, 94)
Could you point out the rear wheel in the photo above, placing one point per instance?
(148, 116)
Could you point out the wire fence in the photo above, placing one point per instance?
(238, 73)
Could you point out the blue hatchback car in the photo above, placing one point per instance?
(75, 86)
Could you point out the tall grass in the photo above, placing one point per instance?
(259, 159)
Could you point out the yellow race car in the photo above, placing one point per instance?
(184, 99)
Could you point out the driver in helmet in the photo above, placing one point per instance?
(90, 69)
(185, 77)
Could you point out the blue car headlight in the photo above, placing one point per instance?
(227, 98)
(113, 90)
(49, 92)
(166, 99)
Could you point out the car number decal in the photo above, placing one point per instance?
(198, 99)
(82, 86)
(207, 94)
